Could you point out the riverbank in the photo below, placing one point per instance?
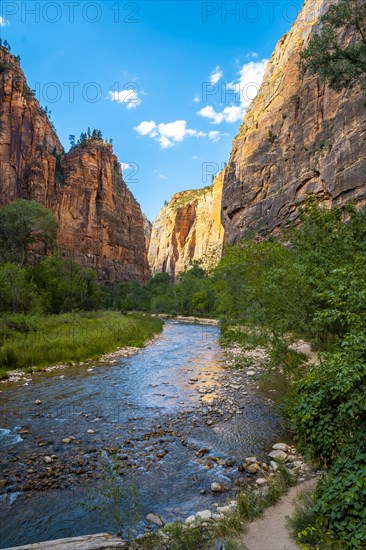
(174, 416)
(29, 343)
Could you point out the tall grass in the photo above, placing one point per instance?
(38, 341)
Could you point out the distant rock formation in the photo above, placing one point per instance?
(147, 231)
(100, 222)
(188, 228)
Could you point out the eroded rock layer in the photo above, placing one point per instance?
(100, 222)
(188, 229)
(298, 137)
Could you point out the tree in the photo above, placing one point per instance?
(17, 291)
(200, 301)
(65, 285)
(338, 60)
(72, 140)
(23, 225)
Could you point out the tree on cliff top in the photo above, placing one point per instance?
(24, 224)
(338, 61)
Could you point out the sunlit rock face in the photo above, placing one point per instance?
(100, 222)
(187, 229)
(297, 137)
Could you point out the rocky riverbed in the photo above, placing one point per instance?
(189, 428)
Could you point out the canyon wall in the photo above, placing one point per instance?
(188, 229)
(100, 222)
(297, 137)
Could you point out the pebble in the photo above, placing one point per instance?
(252, 468)
(277, 455)
(91, 431)
(217, 487)
(261, 481)
(251, 460)
(155, 519)
(190, 520)
(280, 447)
(204, 515)
(47, 459)
(37, 402)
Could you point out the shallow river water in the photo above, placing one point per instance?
(162, 413)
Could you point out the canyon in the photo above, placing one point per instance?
(100, 222)
(188, 229)
(298, 138)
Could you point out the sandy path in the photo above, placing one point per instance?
(269, 532)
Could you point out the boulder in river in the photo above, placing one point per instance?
(204, 515)
(217, 487)
(252, 468)
(278, 455)
(280, 447)
(155, 519)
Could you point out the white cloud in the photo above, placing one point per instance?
(230, 114)
(169, 134)
(215, 135)
(163, 177)
(129, 97)
(3, 21)
(245, 88)
(125, 165)
(250, 79)
(216, 75)
(197, 99)
(146, 128)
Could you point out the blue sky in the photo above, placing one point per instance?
(168, 81)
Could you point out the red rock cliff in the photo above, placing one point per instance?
(297, 137)
(100, 222)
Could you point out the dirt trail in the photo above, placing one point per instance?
(269, 532)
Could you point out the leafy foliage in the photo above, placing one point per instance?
(339, 61)
(25, 224)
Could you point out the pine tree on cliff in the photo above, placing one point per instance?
(338, 62)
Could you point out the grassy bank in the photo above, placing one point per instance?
(28, 341)
(205, 536)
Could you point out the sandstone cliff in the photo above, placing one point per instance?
(100, 222)
(297, 137)
(188, 228)
(147, 231)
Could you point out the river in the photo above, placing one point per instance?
(172, 415)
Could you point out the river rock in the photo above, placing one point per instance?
(190, 520)
(204, 515)
(273, 466)
(155, 519)
(280, 447)
(278, 455)
(261, 481)
(217, 487)
(37, 402)
(251, 460)
(47, 459)
(252, 468)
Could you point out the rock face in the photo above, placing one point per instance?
(298, 137)
(188, 228)
(147, 231)
(100, 222)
